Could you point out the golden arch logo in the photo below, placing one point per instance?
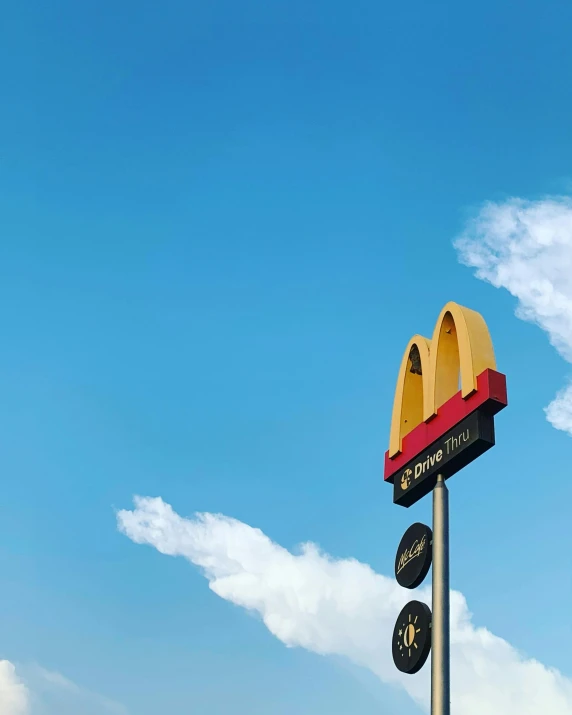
(429, 372)
(440, 382)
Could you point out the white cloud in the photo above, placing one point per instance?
(343, 607)
(559, 411)
(13, 693)
(526, 247)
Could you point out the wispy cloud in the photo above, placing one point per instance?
(51, 693)
(343, 607)
(526, 247)
(33, 690)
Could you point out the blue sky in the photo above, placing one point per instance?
(221, 223)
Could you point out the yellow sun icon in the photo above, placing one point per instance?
(408, 634)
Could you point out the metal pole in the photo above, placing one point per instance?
(440, 638)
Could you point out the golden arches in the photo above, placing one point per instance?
(430, 369)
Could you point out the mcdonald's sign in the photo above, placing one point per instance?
(448, 391)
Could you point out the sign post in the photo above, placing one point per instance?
(436, 430)
(440, 659)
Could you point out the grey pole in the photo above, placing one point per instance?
(440, 637)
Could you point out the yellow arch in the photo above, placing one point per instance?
(412, 402)
(461, 345)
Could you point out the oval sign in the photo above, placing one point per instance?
(413, 558)
(412, 637)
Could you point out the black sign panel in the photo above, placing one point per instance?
(413, 557)
(412, 637)
(447, 455)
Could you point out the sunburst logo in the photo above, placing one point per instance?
(407, 635)
(411, 642)
(406, 479)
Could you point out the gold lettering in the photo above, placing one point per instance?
(408, 555)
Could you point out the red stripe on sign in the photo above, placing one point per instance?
(490, 393)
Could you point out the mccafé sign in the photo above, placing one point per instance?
(437, 428)
(413, 558)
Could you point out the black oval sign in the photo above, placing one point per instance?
(413, 557)
(412, 637)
